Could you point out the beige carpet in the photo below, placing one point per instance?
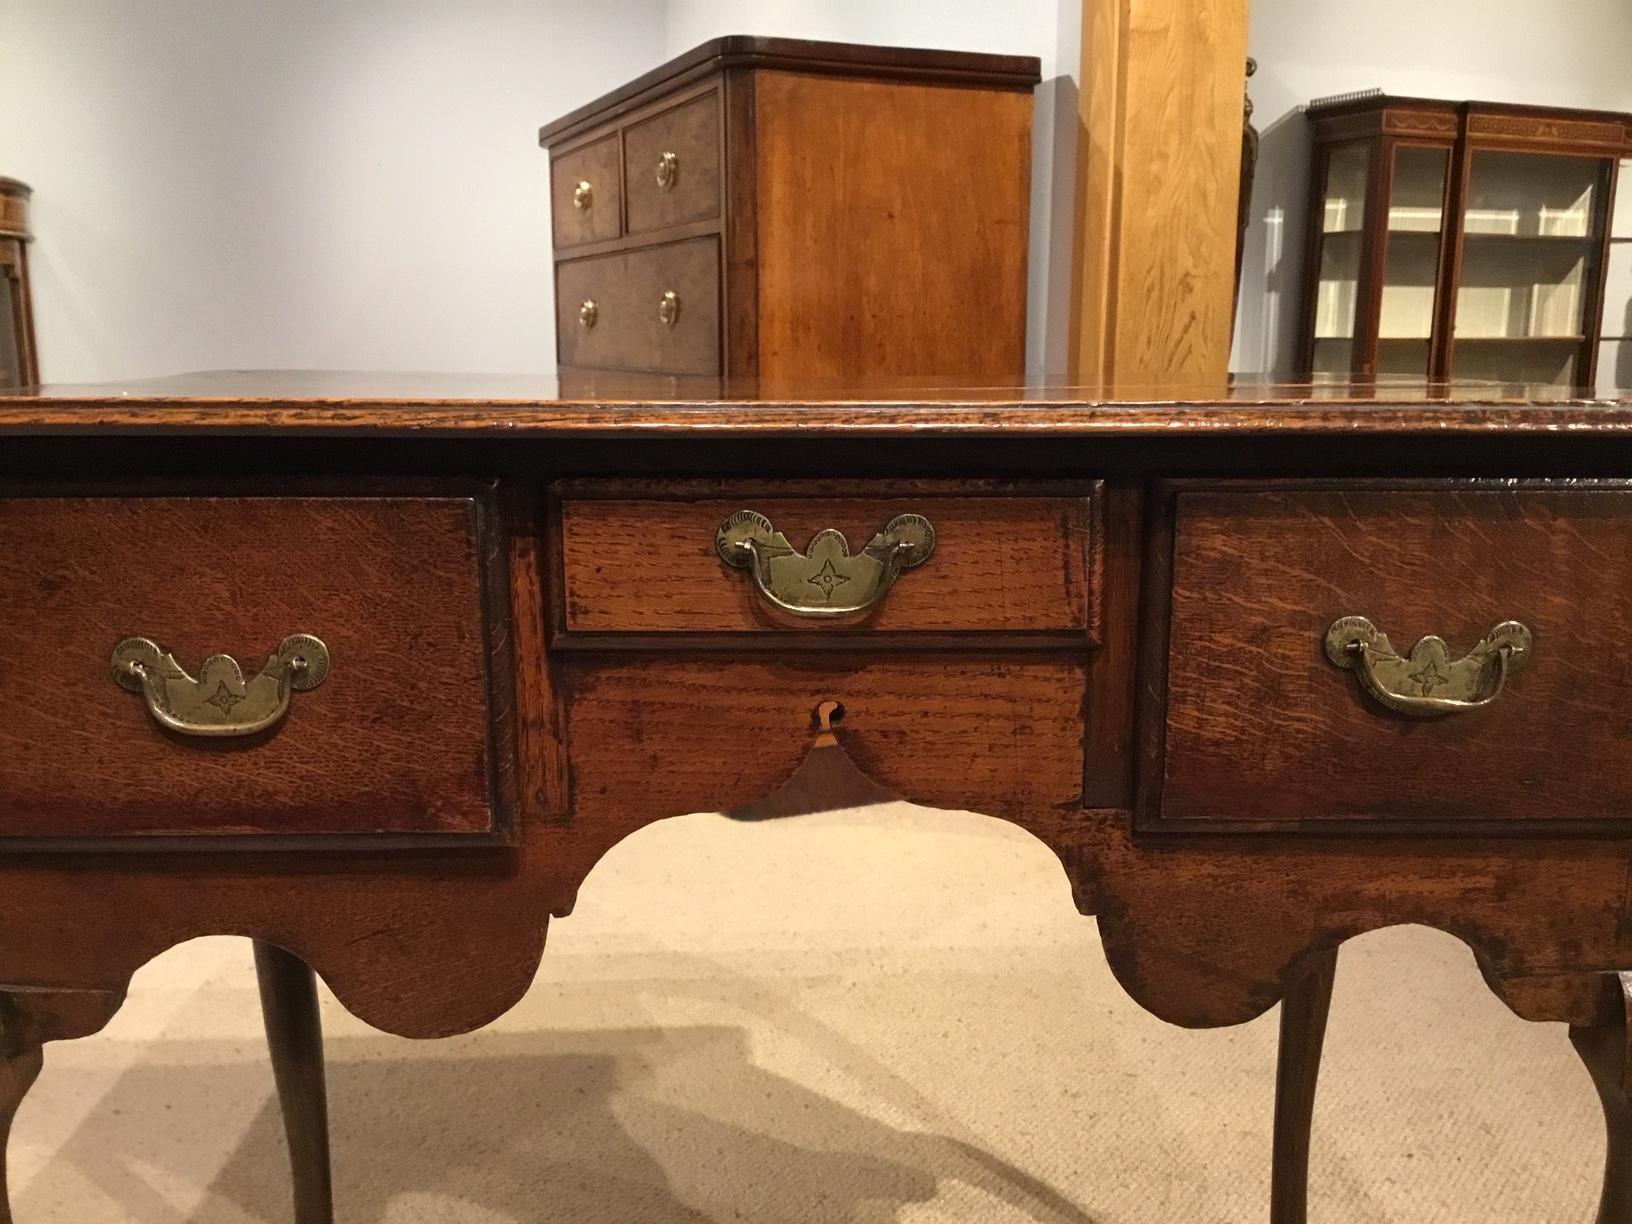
(891, 1015)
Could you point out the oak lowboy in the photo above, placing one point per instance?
(375, 673)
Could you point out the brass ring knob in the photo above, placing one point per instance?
(668, 308)
(668, 171)
(583, 195)
(825, 580)
(219, 702)
(1425, 683)
(588, 313)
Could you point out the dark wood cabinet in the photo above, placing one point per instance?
(19, 365)
(1465, 240)
(777, 209)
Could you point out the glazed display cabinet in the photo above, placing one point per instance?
(19, 367)
(1468, 240)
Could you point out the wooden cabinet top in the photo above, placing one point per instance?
(629, 407)
(1360, 115)
(965, 68)
(14, 208)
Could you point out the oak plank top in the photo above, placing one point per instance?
(403, 405)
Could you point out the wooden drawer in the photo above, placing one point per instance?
(655, 309)
(1004, 560)
(586, 196)
(400, 738)
(987, 732)
(1262, 727)
(672, 166)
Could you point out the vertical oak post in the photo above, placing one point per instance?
(1158, 180)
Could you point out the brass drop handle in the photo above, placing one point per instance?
(825, 580)
(668, 171)
(588, 313)
(219, 701)
(1425, 683)
(583, 195)
(668, 308)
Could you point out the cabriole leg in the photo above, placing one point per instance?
(294, 1035)
(1303, 1034)
(28, 1019)
(1603, 1048)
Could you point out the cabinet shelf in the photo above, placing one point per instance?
(1507, 244)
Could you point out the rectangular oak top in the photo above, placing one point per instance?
(400, 405)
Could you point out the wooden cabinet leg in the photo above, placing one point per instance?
(294, 1034)
(1303, 1034)
(1603, 1047)
(18, 1069)
(29, 1019)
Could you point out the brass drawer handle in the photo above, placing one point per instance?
(668, 308)
(583, 195)
(668, 171)
(825, 580)
(1425, 683)
(220, 701)
(588, 313)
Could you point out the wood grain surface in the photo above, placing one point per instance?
(992, 733)
(1001, 563)
(1262, 727)
(394, 741)
(745, 53)
(708, 410)
(626, 288)
(691, 131)
(1158, 183)
(883, 244)
(597, 164)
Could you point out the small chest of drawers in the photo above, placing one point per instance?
(776, 209)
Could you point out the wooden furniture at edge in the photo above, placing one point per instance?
(513, 628)
(778, 209)
(19, 364)
(1465, 240)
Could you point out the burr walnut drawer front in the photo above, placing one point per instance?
(655, 309)
(586, 194)
(672, 165)
(720, 560)
(1450, 656)
(221, 668)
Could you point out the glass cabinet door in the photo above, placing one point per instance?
(1533, 230)
(11, 354)
(1413, 237)
(1340, 257)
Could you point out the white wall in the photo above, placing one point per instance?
(1048, 29)
(299, 183)
(1567, 53)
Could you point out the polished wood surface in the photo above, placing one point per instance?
(1020, 564)
(854, 236)
(1162, 553)
(1158, 178)
(593, 214)
(627, 288)
(395, 741)
(1262, 727)
(910, 411)
(689, 135)
(885, 244)
(980, 70)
